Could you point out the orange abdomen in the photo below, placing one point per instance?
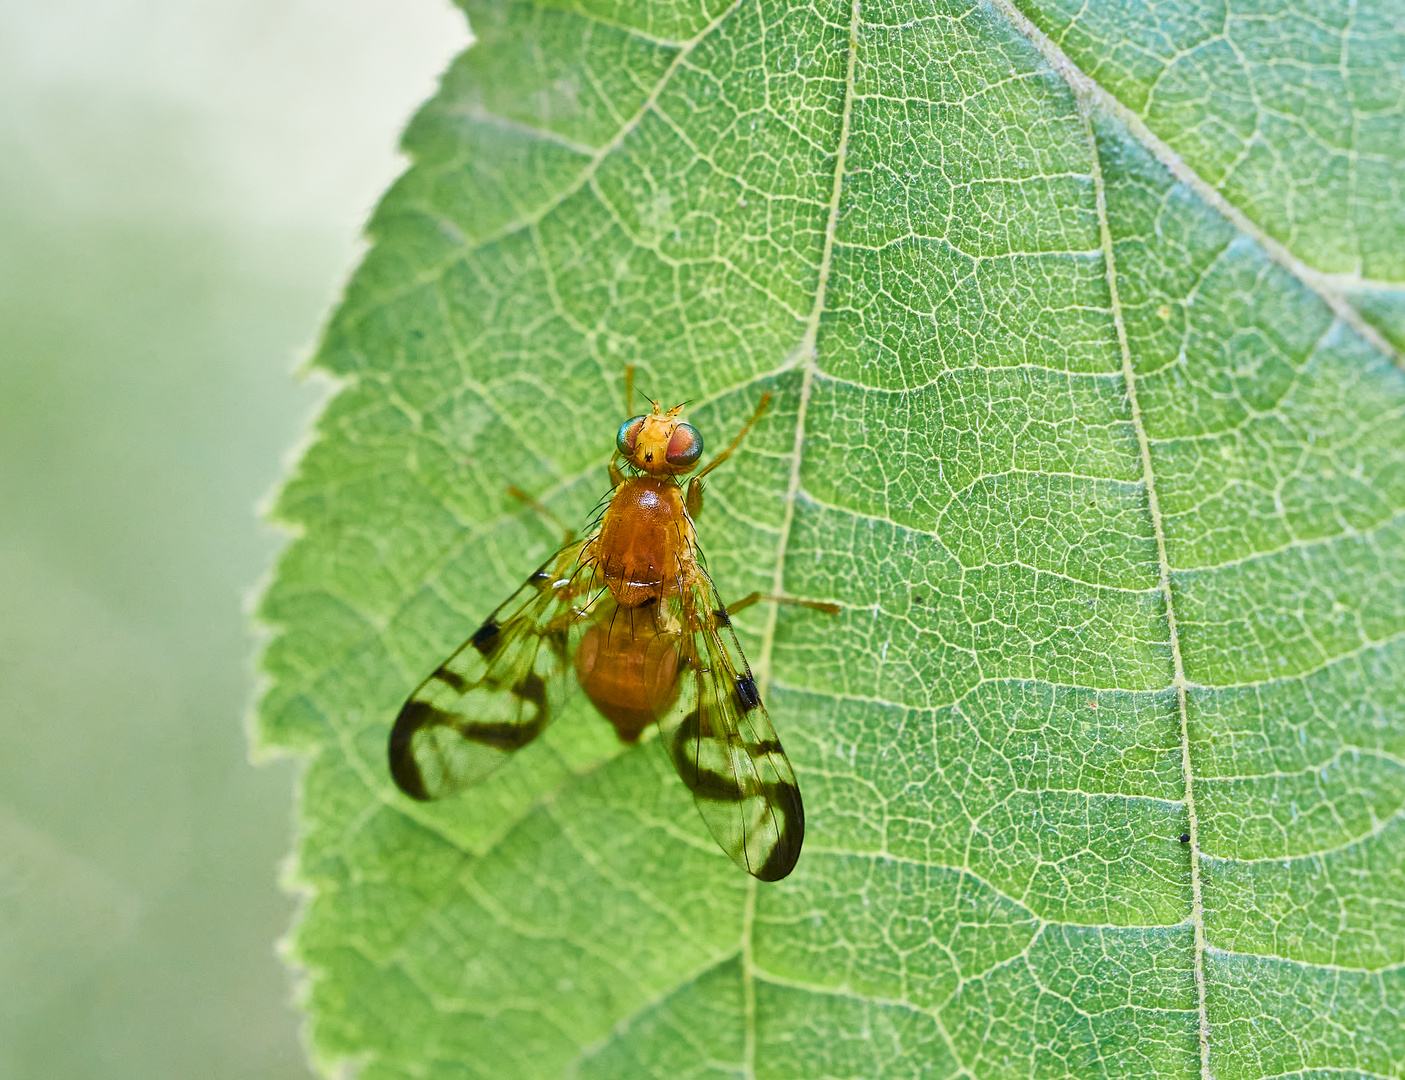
(628, 670)
(645, 549)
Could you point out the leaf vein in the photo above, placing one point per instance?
(1088, 89)
(1197, 910)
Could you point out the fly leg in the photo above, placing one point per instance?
(756, 598)
(516, 492)
(694, 500)
(616, 473)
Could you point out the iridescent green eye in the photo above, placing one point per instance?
(629, 432)
(684, 447)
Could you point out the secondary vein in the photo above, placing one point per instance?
(808, 356)
(1178, 679)
(807, 349)
(1325, 286)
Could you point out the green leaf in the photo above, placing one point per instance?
(1084, 324)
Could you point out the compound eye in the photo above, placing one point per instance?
(629, 433)
(685, 447)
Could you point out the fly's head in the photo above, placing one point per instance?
(660, 444)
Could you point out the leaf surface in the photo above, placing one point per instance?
(1084, 326)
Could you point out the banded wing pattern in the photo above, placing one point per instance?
(721, 741)
(498, 691)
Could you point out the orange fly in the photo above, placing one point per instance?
(632, 611)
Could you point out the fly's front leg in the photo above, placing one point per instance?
(761, 407)
(517, 493)
(616, 473)
(694, 501)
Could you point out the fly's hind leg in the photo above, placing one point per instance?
(694, 500)
(516, 492)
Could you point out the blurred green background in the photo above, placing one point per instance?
(181, 192)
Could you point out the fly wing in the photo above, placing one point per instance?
(498, 691)
(721, 741)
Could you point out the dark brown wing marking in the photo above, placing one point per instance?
(720, 738)
(498, 691)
